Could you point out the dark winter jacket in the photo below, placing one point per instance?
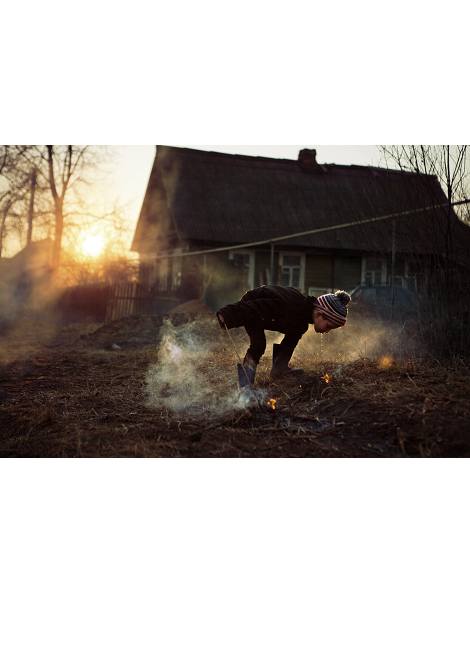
(280, 309)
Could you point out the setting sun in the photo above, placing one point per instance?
(93, 245)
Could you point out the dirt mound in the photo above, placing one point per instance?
(140, 331)
(30, 337)
(192, 308)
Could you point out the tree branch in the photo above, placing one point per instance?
(50, 152)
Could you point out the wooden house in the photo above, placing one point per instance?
(25, 277)
(214, 225)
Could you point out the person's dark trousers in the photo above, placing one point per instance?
(257, 343)
(247, 370)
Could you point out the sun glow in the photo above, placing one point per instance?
(93, 245)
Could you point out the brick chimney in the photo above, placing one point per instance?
(308, 161)
(308, 157)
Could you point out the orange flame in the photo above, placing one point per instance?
(326, 378)
(272, 404)
(386, 362)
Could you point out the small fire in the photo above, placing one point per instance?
(327, 379)
(272, 404)
(386, 362)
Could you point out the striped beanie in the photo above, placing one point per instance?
(334, 306)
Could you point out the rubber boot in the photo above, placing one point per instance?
(246, 372)
(281, 358)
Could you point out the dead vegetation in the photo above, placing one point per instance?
(81, 391)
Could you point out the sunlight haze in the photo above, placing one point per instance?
(93, 245)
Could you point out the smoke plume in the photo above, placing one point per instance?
(363, 338)
(192, 376)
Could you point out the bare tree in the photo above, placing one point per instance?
(441, 242)
(32, 193)
(13, 189)
(64, 173)
(448, 163)
(113, 264)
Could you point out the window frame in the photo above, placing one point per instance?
(383, 272)
(176, 269)
(251, 268)
(147, 270)
(282, 255)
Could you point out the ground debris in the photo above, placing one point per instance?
(68, 395)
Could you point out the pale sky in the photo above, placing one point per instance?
(131, 175)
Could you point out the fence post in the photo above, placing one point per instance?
(204, 280)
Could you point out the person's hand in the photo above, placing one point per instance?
(221, 319)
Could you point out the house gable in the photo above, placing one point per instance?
(156, 227)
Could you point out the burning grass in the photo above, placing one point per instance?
(72, 394)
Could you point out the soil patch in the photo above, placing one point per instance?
(67, 392)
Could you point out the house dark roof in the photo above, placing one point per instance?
(35, 258)
(220, 199)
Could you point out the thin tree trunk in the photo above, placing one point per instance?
(31, 206)
(58, 210)
(59, 229)
(2, 227)
(5, 211)
(59, 198)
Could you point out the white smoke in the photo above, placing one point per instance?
(196, 374)
(193, 378)
(371, 339)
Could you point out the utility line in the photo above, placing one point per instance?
(310, 232)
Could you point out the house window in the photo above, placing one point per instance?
(169, 271)
(177, 270)
(162, 274)
(374, 272)
(245, 259)
(292, 270)
(144, 274)
(415, 276)
(147, 271)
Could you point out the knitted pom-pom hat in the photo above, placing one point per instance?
(334, 306)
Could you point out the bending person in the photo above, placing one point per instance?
(284, 310)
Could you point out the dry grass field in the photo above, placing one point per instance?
(143, 387)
